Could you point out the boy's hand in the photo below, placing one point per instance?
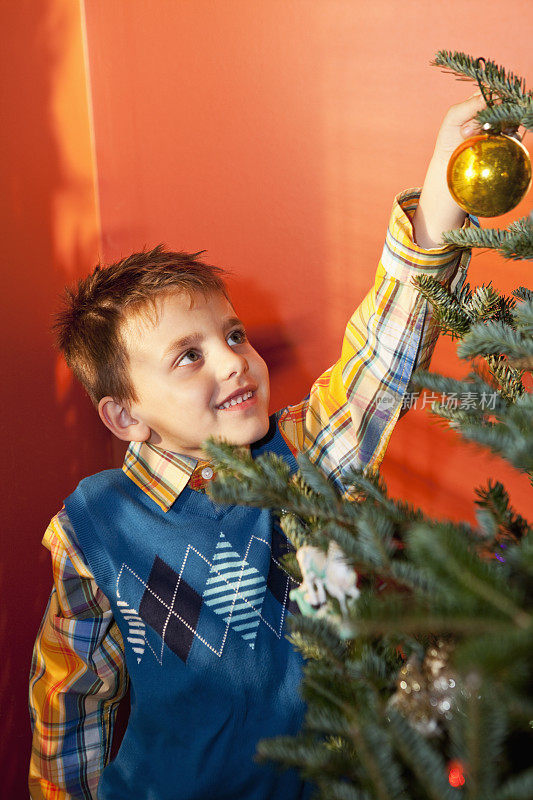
(458, 124)
(437, 211)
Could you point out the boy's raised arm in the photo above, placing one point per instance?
(437, 211)
(77, 678)
(349, 415)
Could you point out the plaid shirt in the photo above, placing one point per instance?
(78, 673)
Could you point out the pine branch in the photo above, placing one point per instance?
(507, 85)
(478, 730)
(515, 242)
(298, 751)
(451, 312)
(390, 621)
(494, 337)
(505, 659)
(527, 119)
(455, 313)
(510, 526)
(329, 721)
(454, 563)
(523, 316)
(508, 378)
(321, 634)
(487, 304)
(466, 401)
(375, 753)
(523, 293)
(295, 530)
(478, 396)
(519, 787)
(334, 789)
(511, 437)
(426, 764)
(506, 117)
(266, 482)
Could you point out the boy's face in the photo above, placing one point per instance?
(186, 365)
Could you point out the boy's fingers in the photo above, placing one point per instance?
(465, 111)
(471, 127)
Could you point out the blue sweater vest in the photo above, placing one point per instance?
(201, 600)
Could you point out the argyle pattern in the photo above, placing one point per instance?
(171, 607)
(235, 591)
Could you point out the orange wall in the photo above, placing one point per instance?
(275, 135)
(50, 435)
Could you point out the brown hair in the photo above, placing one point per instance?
(88, 326)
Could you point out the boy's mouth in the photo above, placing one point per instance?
(237, 399)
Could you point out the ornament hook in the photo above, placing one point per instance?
(488, 100)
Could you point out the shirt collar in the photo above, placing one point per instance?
(161, 474)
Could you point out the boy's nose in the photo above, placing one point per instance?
(231, 363)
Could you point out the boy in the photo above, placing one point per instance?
(154, 581)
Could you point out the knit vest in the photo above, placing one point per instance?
(201, 600)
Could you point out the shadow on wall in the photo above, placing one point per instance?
(276, 339)
(49, 431)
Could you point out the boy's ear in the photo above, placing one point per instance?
(118, 419)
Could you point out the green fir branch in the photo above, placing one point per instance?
(511, 437)
(514, 242)
(335, 789)
(309, 755)
(455, 313)
(523, 316)
(451, 313)
(478, 730)
(508, 378)
(329, 721)
(295, 530)
(265, 482)
(510, 526)
(426, 764)
(389, 621)
(320, 633)
(502, 423)
(527, 119)
(506, 116)
(506, 660)
(505, 84)
(519, 787)
(479, 398)
(454, 563)
(495, 338)
(523, 293)
(371, 667)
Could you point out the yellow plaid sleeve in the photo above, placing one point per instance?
(77, 677)
(347, 418)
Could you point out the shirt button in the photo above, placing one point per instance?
(207, 473)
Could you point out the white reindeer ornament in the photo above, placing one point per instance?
(323, 574)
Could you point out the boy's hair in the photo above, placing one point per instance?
(88, 328)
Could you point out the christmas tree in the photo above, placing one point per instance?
(417, 632)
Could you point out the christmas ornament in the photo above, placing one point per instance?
(323, 574)
(425, 692)
(489, 174)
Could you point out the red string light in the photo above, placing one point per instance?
(456, 777)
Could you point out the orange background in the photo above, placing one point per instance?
(272, 133)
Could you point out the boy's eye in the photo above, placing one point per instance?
(237, 337)
(188, 358)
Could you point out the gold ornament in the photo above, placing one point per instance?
(489, 174)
